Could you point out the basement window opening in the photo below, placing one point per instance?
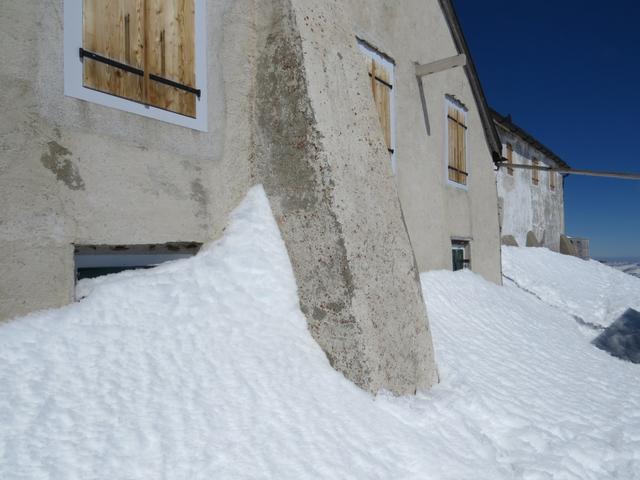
(460, 254)
(92, 261)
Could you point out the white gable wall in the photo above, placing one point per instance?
(527, 207)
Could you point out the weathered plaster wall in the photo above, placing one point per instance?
(321, 159)
(435, 211)
(526, 207)
(76, 172)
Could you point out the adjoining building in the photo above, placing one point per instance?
(131, 128)
(531, 201)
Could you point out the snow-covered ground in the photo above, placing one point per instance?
(593, 292)
(203, 368)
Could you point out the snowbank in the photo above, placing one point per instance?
(203, 368)
(630, 268)
(589, 290)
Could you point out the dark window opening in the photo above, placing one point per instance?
(460, 255)
(93, 261)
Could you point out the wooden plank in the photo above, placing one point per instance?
(451, 126)
(462, 151)
(441, 65)
(171, 53)
(380, 81)
(509, 159)
(107, 32)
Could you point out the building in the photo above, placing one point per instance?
(131, 128)
(531, 201)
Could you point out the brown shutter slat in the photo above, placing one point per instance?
(535, 173)
(462, 150)
(509, 159)
(380, 81)
(171, 53)
(113, 29)
(451, 125)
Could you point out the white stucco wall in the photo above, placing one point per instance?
(435, 211)
(74, 172)
(526, 207)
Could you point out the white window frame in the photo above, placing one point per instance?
(390, 67)
(73, 72)
(451, 102)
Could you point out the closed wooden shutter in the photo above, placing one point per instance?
(552, 180)
(457, 145)
(114, 29)
(381, 86)
(535, 173)
(154, 43)
(509, 159)
(171, 54)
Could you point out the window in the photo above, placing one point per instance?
(460, 254)
(535, 173)
(509, 159)
(93, 261)
(552, 180)
(381, 75)
(142, 56)
(457, 143)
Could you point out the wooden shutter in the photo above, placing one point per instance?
(535, 173)
(552, 180)
(114, 29)
(509, 159)
(381, 85)
(457, 145)
(170, 35)
(155, 37)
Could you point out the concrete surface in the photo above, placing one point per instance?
(73, 172)
(323, 165)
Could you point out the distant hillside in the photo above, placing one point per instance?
(632, 268)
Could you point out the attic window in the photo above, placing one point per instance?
(142, 56)
(457, 143)
(381, 75)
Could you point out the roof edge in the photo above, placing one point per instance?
(507, 123)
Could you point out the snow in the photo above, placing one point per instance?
(630, 268)
(595, 293)
(204, 368)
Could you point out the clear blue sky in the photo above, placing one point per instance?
(568, 72)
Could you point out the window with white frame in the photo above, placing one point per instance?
(142, 56)
(456, 121)
(381, 74)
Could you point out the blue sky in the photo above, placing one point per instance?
(569, 73)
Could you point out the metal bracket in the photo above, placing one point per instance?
(441, 65)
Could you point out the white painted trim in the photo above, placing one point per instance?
(458, 106)
(73, 71)
(390, 67)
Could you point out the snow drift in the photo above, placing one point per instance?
(595, 293)
(203, 368)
